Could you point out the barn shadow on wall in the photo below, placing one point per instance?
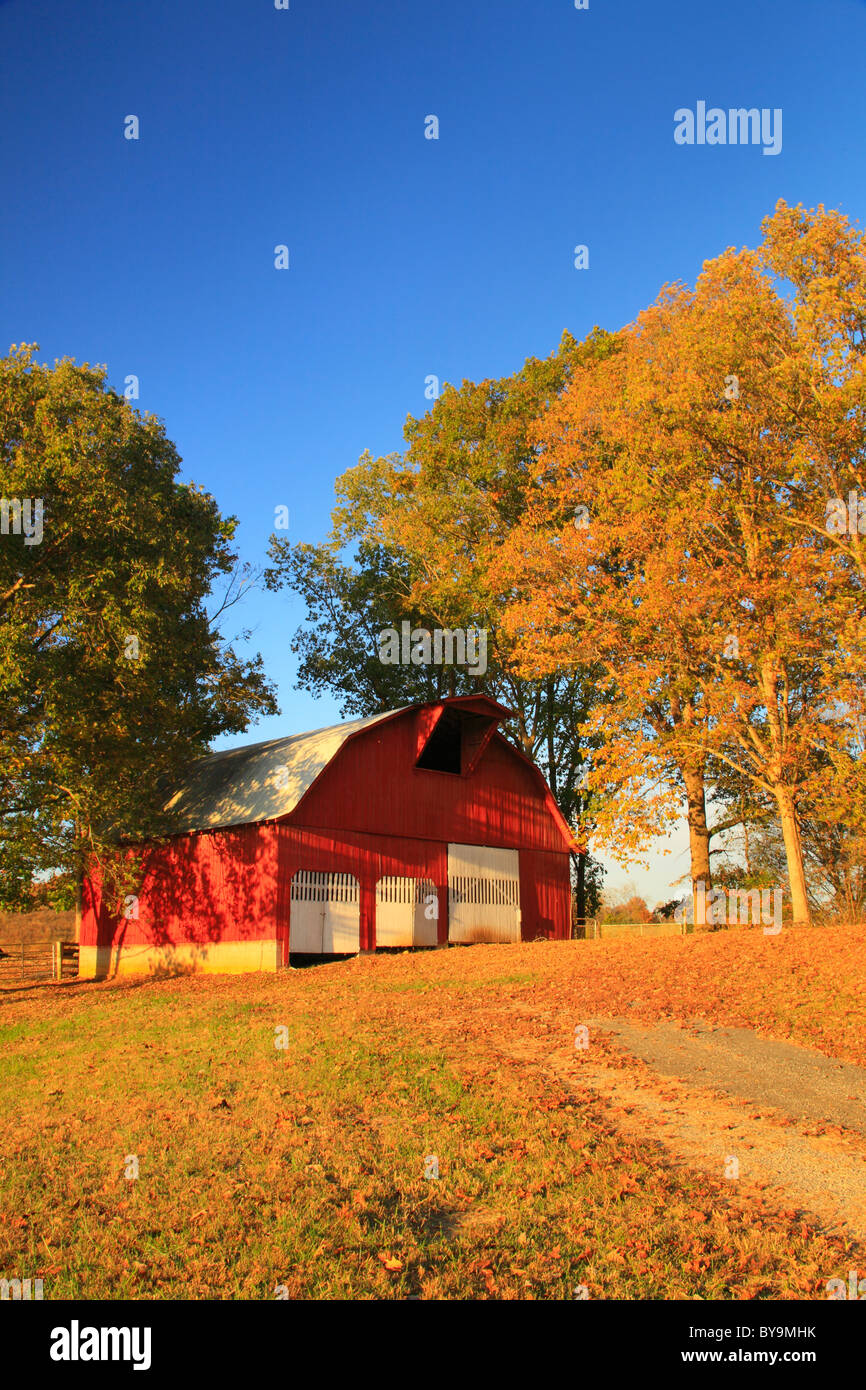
(196, 893)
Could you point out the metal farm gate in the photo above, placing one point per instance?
(483, 893)
(407, 912)
(325, 913)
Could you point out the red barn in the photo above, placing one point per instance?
(412, 828)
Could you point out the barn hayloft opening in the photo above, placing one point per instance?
(456, 742)
(443, 751)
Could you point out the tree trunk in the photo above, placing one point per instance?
(699, 840)
(552, 779)
(79, 883)
(800, 911)
(580, 889)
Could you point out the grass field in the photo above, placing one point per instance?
(304, 1166)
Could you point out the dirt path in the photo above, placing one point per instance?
(773, 1118)
(804, 1085)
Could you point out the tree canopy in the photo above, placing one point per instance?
(717, 586)
(113, 671)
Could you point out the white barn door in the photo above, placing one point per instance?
(325, 913)
(404, 912)
(483, 893)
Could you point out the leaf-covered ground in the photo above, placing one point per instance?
(302, 1168)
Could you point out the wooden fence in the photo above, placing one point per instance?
(607, 931)
(64, 960)
(31, 962)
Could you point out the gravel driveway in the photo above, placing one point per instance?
(803, 1084)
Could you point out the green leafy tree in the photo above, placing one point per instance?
(348, 605)
(113, 672)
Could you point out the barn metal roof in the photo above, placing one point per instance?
(263, 781)
(259, 781)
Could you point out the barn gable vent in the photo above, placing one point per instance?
(457, 739)
(443, 751)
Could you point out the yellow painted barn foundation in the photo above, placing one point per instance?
(187, 957)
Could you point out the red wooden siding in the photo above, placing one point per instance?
(212, 886)
(373, 785)
(545, 895)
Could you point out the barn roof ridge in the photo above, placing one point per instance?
(359, 722)
(293, 738)
(267, 780)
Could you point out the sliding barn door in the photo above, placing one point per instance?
(483, 893)
(406, 912)
(325, 914)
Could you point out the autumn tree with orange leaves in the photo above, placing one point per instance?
(705, 465)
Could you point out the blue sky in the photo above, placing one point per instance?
(408, 256)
